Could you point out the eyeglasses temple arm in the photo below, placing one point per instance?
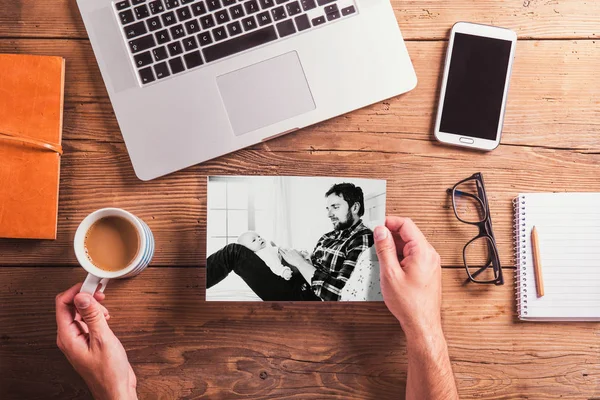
(460, 193)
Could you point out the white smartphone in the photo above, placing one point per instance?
(475, 85)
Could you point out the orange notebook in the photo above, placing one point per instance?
(31, 108)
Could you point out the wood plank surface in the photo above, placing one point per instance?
(418, 19)
(553, 99)
(183, 347)
(97, 175)
(551, 142)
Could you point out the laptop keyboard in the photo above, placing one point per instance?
(169, 37)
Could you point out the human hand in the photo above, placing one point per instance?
(295, 260)
(287, 273)
(412, 287)
(91, 346)
(292, 257)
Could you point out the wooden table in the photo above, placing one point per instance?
(182, 347)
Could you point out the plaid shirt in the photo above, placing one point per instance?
(335, 257)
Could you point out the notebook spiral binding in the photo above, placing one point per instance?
(519, 230)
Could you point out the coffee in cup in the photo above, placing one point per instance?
(112, 243)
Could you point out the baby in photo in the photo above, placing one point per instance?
(267, 252)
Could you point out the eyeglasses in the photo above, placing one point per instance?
(480, 254)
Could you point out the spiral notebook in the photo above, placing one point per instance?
(568, 226)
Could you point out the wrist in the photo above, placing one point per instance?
(423, 332)
(124, 393)
(306, 266)
(426, 340)
(304, 262)
(131, 393)
(307, 270)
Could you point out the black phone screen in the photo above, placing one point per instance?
(475, 87)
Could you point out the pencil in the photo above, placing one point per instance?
(537, 262)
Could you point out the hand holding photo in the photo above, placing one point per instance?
(293, 238)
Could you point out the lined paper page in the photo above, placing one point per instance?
(568, 226)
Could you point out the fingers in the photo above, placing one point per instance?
(99, 296)
(410, 235)
(92, 314)
(104, 311)
(412, 248)
(82, 325)
(65, 312)
(405, 227)
(284, 252)
(386, 249)
(83, 329)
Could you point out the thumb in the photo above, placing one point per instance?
(92, 314)
(386, 249)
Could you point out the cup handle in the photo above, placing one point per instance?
(91, 283)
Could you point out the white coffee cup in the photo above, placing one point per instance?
(97, 276)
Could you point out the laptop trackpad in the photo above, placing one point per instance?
(265, 93)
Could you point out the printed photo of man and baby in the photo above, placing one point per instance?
(293, 238)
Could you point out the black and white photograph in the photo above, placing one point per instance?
(286, 238)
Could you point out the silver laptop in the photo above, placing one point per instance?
(191, 80)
